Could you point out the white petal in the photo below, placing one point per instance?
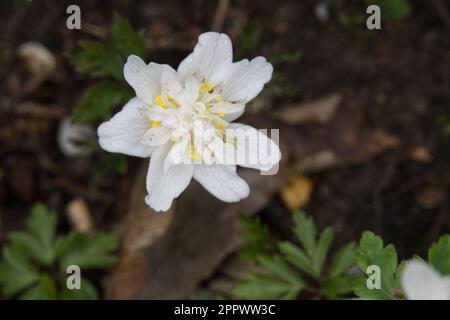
(222, 181)
(178, 154)
(224, 153)
(171, 82)
(244, 80)
(186, 67)
(123, 132)
(212, 53)
(162, 186)
(422, 282)
(233, 116)
(190, 92)
(253, 148)
(158, 113)
(157, 136)
(145, 79)
(227, 108)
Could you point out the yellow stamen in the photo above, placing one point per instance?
(195, 154)
(173, 102)
(160, 102)
(205, 87)
(218, 97)
(221, 114)
(156, 123)
(220, 126)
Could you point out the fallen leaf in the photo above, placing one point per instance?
(430, 197)
(297, 192)
(318, 161)
(319, 111)
(420, 154)
(142, 228)
(37, 58)
(203, 233)
(79, 215)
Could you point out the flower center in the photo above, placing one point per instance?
(194, 121)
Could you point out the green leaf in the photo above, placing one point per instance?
(44, 290)
(291, 295)
(371, 252)
(28, 244)
(256, 236)
(86, 292)
(16, 272)
(99, 100)
(398, 274)
(42, 223)
(91, 252)
(297, 257)
(64, 243)
(97, 59)
(439, 255)
(38, 240)
(281, 269)
(305, 230)
(125, 38)
(361, 290)
(320, 253)
(394, 9)
(335, 287)
(343, 260)
(259, 286)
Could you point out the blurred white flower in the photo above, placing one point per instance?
(182, 120)
(421, 281)
(322, 12)
(73, 138)
(38, 59)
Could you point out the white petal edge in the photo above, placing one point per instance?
(145, 79)
(213, 52)
(123, 132)
(244, 80)
(421, 282)
(222, 181)
(164, 187)
(254, 149)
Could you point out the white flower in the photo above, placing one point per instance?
(73, 138)
(182, 120)
(420, 281)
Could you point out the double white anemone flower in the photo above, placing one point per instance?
(421, 281)
(182, 120)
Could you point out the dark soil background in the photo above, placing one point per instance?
(395, 81)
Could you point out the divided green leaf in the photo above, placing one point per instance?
(394, 10)
(261, 286)
(38, 240)
(126, 40)
(371, 252)
(36, 248)
(256, 236)
(439, 255)
(305, 231)
(107, 59)
(92, 252)
(99, 100)
(97, 59)
(343, 260)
